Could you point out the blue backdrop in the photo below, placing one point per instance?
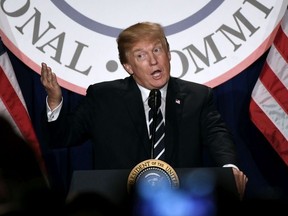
(267, 173)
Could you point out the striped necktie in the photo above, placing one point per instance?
(157, 138)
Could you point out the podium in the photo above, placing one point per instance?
(112, 184)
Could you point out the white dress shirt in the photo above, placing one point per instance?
(145, 95)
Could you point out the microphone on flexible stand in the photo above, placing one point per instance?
(154, 102)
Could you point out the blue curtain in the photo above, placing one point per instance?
(267, 173)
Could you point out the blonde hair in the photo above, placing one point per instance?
(137, 32)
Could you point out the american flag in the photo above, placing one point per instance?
(13, 107)
(269, 102)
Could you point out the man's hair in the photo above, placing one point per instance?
(140, 31)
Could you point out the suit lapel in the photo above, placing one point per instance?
(133, 99)
(174, 109)
(173, 116)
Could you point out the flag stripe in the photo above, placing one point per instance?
(272, 134)
(13, 107)
(17, 110)
(281, 41)
(270, 109)
(278, 65)
(269, 105)
(275, 85)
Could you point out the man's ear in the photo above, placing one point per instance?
(169, 55)
(128, 68)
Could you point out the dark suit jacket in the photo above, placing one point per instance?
(112, 116)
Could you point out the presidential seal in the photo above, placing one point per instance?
(152, 174)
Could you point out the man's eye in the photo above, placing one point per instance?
(141, 56)
(157, 50)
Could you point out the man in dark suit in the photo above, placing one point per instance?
(114, 114)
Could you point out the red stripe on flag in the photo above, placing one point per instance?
(276, 88)
(281, 43)
(269, 105)
(18, 112)
(267, 127)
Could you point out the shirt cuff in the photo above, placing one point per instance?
(231, 165)
(52, 115)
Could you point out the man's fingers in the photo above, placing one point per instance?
(241, 180)
(48, 78)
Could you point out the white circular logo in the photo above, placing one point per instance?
(210, 41)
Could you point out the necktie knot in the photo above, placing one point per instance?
(154, 100)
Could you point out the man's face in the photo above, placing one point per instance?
(149, 63)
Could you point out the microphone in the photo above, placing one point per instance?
(152, 174)
(154, 102)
